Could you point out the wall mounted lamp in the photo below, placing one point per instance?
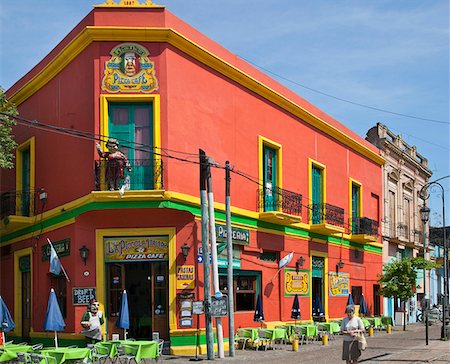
(299, 263)
(84, 253)
(185, 250)
(339, 265)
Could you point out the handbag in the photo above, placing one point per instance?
(362, 342)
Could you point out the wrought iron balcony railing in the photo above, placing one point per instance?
(403, 232)
(364, 225)
(278, 199)
(19, 203)
(142, 174)
(325, 213)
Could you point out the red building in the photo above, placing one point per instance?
(301, 182)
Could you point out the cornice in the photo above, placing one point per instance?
(167, 35)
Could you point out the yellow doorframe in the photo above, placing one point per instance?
(325, 279)
(18, 290)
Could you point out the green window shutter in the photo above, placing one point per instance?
(355, 207)
(317, 194)
(26, 180)
(270, 179)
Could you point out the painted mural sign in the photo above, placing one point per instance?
(185, 277)
(339, 283)
(296, 283)
(136, 248)
(129, 70)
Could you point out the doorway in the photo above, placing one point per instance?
(147, 290)
(317, 290)
(25, 278)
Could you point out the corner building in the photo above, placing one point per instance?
(139, 74)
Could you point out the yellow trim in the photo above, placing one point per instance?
(29, 144)
(165, 35)
(106, 99)
(262, 142)
(325, 279)
(100, 262)
(322, 167)
(18, 289)
(350, 206)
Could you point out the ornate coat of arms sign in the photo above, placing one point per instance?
(129, 70)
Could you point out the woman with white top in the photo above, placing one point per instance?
(351, 326)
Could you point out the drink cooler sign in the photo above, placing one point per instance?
(296, 283)
(136, 248)
(186, 277)
(339, 284)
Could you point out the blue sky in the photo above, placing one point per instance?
(391, 55)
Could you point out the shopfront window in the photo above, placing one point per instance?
(245, 289)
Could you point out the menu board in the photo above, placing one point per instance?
(82, 296)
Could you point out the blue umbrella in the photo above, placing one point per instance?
(123, 321)
(53, 318)
(259, 313)
(317, 308)
(295, 312)
(363, 310)
(6, 321)
(350, 300)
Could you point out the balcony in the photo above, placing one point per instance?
(279, 206)
(399, 233)
(17, 208)
(326, 219)
(364, 230)
(144, 174)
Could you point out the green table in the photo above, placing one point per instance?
(63, 354)
(375, 322)
(140, 348)
(308, 330)
(387, 320)
(332, 327)
(16, 348)
(365, 322)
(277, 333)
(7, 355)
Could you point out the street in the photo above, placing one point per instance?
(398, 347)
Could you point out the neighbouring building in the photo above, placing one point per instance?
(437, 254)
(301, 183)
(405, 172)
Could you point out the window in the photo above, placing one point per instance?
(392, 230)
(269, 256)
(60, 287)
(25, 172)
(355, 206)
(245, 289)
(317, 194)
(270, 180)
(115, 287)
(407, 216)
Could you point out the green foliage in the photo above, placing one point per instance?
(399, 277)
(7, 143)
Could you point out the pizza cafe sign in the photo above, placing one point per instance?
(139, 248)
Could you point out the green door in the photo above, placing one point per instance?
(355, 208)
(25, 210)
(316, 195)
(131, 124)
(270, 181)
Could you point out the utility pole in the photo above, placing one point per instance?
(230, 283)
(215, 268)
(205, 248)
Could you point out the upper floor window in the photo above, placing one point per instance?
(356, 207)
(270, 175)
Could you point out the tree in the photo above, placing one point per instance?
(7, 143)
(399, 278)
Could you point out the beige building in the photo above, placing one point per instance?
(405, 172)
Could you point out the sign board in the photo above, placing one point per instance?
(82, 296)
(296, 283)
(185, 277)
(219, 307)
(339, 284)
(136, 248)
(198, 308)
(238, 236)
(200, 256)
(62, 248)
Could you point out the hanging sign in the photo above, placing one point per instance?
(219, 307)
(296, 283)
(185, 277)
(129, 70)
(339, 283)
(62, 248)
(136, 248)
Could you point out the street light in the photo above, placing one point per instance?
(425, 195)
(424, 216)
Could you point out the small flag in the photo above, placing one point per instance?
(55, 264)
(125, 186)
(286, 260)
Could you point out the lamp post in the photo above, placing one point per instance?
(425, 195)
(424, 216)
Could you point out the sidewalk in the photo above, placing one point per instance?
(398, 347)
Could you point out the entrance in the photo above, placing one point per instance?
(25, 278)
(317, 292)
(147, 290)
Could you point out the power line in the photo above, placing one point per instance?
(345, 100)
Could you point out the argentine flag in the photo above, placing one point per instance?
(286, 260)
(55, 264)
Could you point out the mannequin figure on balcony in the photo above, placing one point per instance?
(115, 165)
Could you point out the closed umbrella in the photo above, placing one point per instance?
(259, 313)
(363, 310)
(295, 312)
(123, 321)
(350, 300)
(6, 321)
(317, 308)
(53, 318)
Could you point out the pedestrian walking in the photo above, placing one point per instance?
(351, 327)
